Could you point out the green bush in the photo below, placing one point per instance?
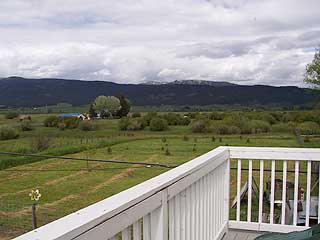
(216, 116)
(224, 129)
(259, 126)
(136, 115)
(7, 133)
(86, 126)
(71, 122)
(62, 126)
(123, 123)
(158, 124)
(282, 127)
(265, 116)
(240, 121)
(200, 126)
(136, 124)
(131, 124)
(309, 128)
(176, 119)
(40, 143)
(51, 121)
(26, 125)
(11, 115)
(148, 117)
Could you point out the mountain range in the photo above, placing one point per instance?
(22, 92)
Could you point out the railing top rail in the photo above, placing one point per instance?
(271, 153)
(73, 225)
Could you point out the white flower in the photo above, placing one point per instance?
(35, 195)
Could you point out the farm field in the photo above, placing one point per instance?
(68, 185)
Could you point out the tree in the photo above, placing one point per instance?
(125, 106)
(92, 111)
(107, 104)
(313, 70)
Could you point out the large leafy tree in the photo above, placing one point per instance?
(109, 104)
(125, 106)
(92, 111)
(313, 70)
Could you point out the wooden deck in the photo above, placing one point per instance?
(241, 235)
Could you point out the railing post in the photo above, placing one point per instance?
(227, 191)
(159, 219)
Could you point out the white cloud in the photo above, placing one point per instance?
(255, 42)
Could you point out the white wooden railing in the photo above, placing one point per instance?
(296, 156)
(189, 202)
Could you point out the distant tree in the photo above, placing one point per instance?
(107, 104)
(313, 70)
(125, 106)
(92, 111)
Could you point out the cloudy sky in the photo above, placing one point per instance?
(131, 41)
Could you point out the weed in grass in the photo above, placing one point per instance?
(248, 140)
(109, 150)
(194, 148)
(164, 139)
(213, 139)
(185, 138)
(220, 139)
(167, 152)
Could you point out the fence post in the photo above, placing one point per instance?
(34, 217)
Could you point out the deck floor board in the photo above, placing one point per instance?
(241, 235)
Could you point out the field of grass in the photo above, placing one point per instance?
(67, 185)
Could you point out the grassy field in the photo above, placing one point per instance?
(67, 185)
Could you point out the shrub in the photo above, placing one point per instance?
(40, 143)
(193, 115)
(87, 126)
(282, 127)
(240, 121)
(200, 126)
(265, 117)
(26, 126)
(224, 129)
(136, 124)
(7, 133)
(309, 128)
(186, 120)
(216, 116)
(131, 124)
(259, 126)
(11, 115)
(148, 117)
(158, 124)
(51, 121)
(136, 115)
(62, 126)
(176, 119)
(71, 122)
(123, 123)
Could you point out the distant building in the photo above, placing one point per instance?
(74, 115)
